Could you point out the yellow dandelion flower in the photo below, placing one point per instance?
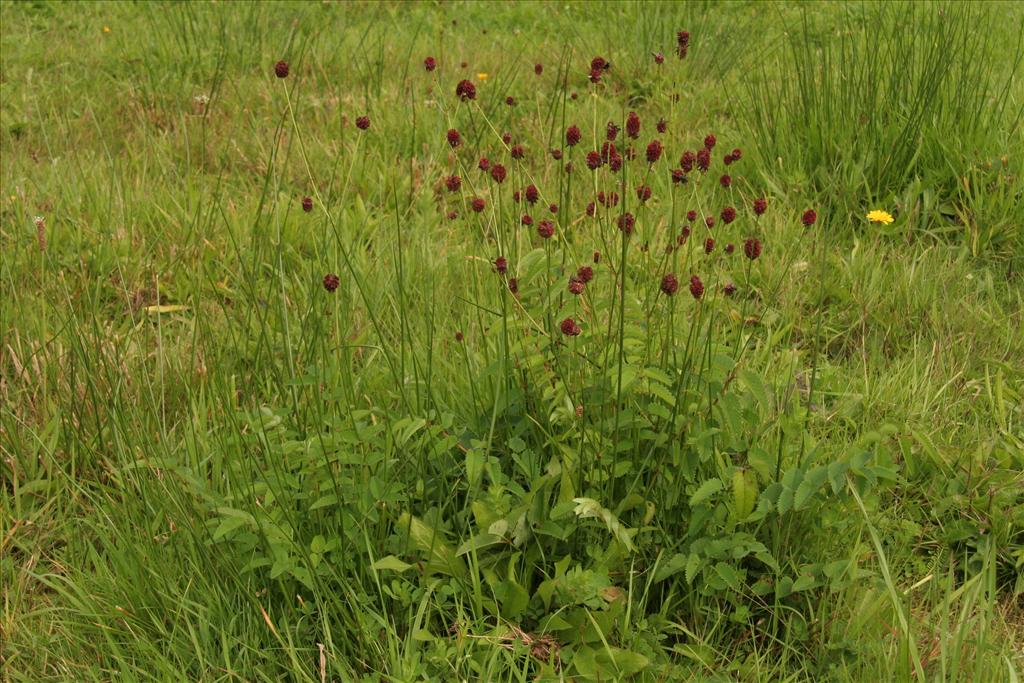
(879, 216)
(483, 76)
(106, 29)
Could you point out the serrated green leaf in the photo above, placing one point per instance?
(729, 574)
(693, 565)
(673, 565)
(706, 491)
(755, 385)
(812, 481)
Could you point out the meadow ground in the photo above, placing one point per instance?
(526, 375)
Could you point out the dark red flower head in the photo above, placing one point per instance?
(662, 125)
(736, 154)
(506, 138)
(685, 233)
(572, 135)
(453, 183)
(643, 193)
(599, 64)
(585, 273)
(725, 180)
(729, 289)
(538, 69)
(452, 215)
(727, 159)
(517, 196)
(498, 172)
(483, 164)
(615, 163)
(510, 101)
(704, 160)
(691, 215)
(709, 245)
(429, 63)
(458, 336)
(501, 265)
(709, 142)
(517, 152)
(545, 229)
(760, 205)
(626, 222)
(659, 58)
(687, 160)
(307, 204)
(611, 131)
(633, 125)
(728, 215)
(478, 204)
(454, 138)
(556, 153)
(363, 122)
(669, 284)
(709, 221)
(597, 257)
(730, 248)
(595, 75)
(752, 248)
(465, 90)
(696, 287)
(594, 160)
(570, 328)
(513, 286)
(553, 208)
(654, 151)
(576, 285)
(683, 38)
(526, 220)
(568, 167)
(678, 176)
(591, 209)
(281, 69)
(532, 194)
(331, 282)
(809, 218)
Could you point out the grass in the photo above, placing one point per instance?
(213, 469)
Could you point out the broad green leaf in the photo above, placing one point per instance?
(478, 541)
(392, 563)
(474, 467)
(432, 543)
(803, 583)
(166, 308)
(227, 525)
(744, 493)
(588, 507)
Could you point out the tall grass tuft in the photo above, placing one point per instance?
(893, 105)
